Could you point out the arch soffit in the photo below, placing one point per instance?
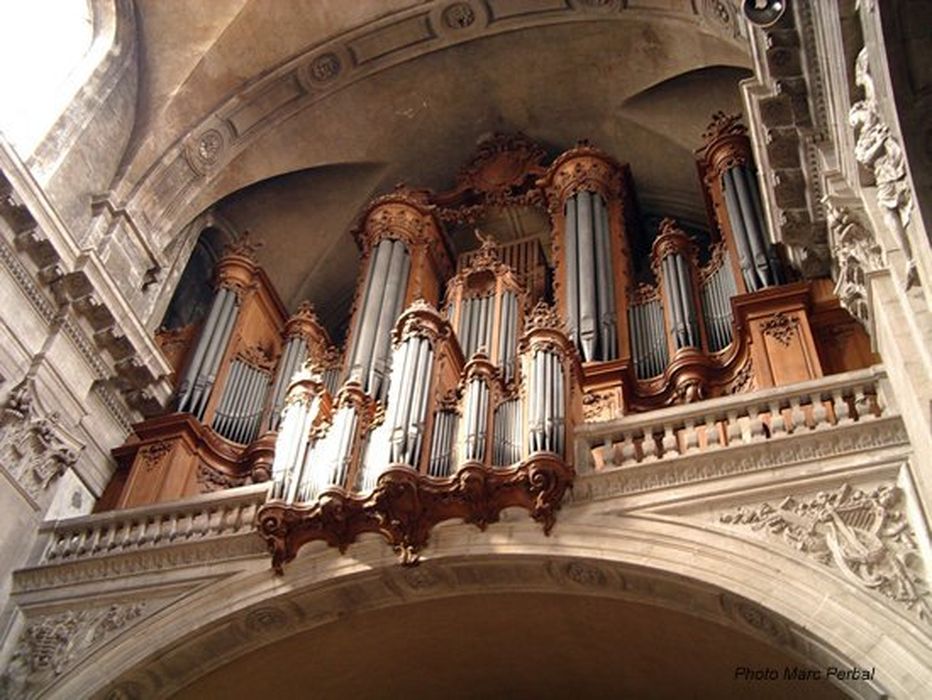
(790, 603)
(160, 182)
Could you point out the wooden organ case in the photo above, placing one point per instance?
(467, 369)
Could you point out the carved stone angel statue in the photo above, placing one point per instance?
(876, 149)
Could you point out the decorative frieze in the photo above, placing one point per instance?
(863, 533)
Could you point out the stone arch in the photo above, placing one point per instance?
(789, 602)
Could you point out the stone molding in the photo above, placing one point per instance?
(53, 272)
(744, 459)
(809, 615)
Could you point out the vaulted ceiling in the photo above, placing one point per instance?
(301, 111)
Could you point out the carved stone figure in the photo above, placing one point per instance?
(876, 149)
(855, 252)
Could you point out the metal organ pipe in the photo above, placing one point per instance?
(186, 388)
(752, 226)
(607, 311)
(369, 311)
(392, 300)
(292, 358)
(572, 271)
(686, 297)
(739, 231)
(586, 275)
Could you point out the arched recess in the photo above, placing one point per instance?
(787, 602)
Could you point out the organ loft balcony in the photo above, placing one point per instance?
(525, 341)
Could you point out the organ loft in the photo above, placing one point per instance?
(475, 353)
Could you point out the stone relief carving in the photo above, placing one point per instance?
(33, 449)
(877, 149)
(864, 533)
(50, 644)
(855, 252)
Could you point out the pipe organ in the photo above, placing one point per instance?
(731, 183)
(467, 370)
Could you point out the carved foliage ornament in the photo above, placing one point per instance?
(405, 506)
(33, 449)
(864, 533)
(781, 327)
(49, 645)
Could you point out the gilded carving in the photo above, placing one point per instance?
(862, 532)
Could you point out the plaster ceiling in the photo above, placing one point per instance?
(641, 89)
(509, 646)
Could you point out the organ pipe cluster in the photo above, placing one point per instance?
(245, 356)
(479, 384)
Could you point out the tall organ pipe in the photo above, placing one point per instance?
(292, 358)
(369, 311)
(606, 282)
(739, 231)
(572, 271)
(686, 296)
(390, 309)
(186, 388)
(214, 355)
(587, 274)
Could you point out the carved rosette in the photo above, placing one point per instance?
(405, 506)
(582, 168)
(725, 145)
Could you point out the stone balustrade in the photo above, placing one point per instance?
(215, 515)
(745, 419)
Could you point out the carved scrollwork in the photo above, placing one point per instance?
(405, 506)
(781, 327)
(49, 645)
(864, 533)
(34, 449)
